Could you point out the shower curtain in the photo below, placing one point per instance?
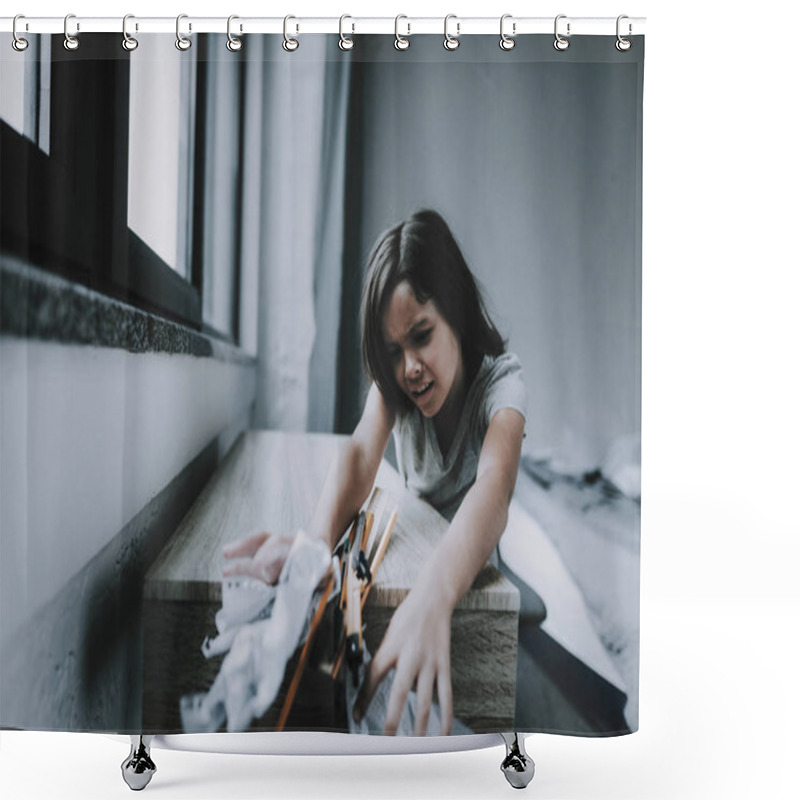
(189, 240)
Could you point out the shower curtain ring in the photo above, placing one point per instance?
(400, 42)
(18, 43)
(289, 44)
(561, 43)
(451, 42)
(181, 42)
(622, 44)
(70, 42)
(507, 42)
(346, 42)
(128, 42)
(233, 44)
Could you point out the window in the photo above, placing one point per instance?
(25, 92)
(222, 192)
(122, 171)
(161, 150)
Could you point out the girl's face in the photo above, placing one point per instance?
(424, 352)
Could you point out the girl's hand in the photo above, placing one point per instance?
(417, 644)
(267, 553)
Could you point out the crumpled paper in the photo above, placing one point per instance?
(259, 627)
(244, 600)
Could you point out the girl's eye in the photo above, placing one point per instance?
(423, 336)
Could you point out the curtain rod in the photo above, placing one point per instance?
(461, 26)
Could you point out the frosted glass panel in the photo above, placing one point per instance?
(25, 90)
(160, 149)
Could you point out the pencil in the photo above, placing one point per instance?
(339, 656)
(301, 664)
(384, 544)
(377, 507)
(345, 553)
(352, 615)
(367, 529)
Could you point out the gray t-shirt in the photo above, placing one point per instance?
(443, 482)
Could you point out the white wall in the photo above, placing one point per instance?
(89, 436)
(534, 166)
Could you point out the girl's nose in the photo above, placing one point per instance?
(413, 366)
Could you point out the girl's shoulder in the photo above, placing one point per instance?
(500, 384)
(498, 368)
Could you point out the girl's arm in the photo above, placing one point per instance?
(417, 642)
(347, 486)
(353, 472)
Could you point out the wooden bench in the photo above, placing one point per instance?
(271, 481)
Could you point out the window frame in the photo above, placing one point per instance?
(73, 220)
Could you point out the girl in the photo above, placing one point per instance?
(455, 402)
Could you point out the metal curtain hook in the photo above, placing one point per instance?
(18, 43)
(507, 42)
(623, 44)
(346, 42)
(451, 42)
(289, 44)
(181, 42)
(70, 42)
(128, 42)
(560, 43)
(400, 42)
(233, 44)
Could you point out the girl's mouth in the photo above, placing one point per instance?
(422, 391)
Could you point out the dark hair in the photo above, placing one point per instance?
(422, 251)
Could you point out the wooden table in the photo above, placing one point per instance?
(271, 481)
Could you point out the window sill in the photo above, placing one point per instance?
(36, 304)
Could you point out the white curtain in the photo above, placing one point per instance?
(300, 230)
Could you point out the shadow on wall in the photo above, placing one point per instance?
(76, 664)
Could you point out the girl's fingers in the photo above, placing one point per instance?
(248, 546)
(239, 568)
(376, 672)
(401, 686)
(248, 568)
(424, 697)
(445, 691)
